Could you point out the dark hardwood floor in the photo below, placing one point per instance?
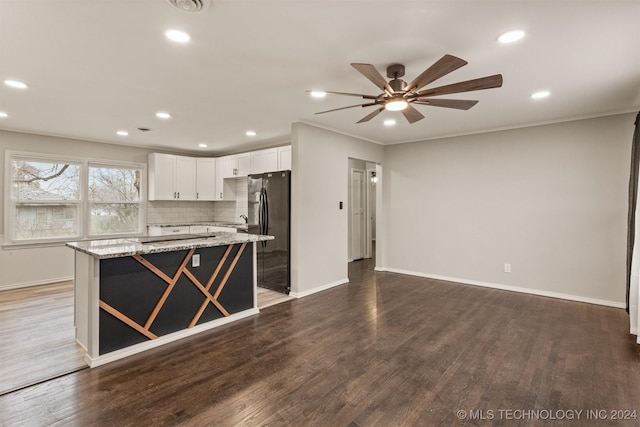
(384, 350)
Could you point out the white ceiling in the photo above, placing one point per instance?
(97, 66)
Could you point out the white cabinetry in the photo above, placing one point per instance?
(185, 178)
(244, 164)
(172, 177)
(264, 160)
(225, 186)
(201, 229)
(215, 228)
(156, 230)
(236, 165)
(162, 172)
(271, 159)
(205, 178)
(284, 158)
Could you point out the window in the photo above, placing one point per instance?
(65, 199)
(46, 199)
(114, 200)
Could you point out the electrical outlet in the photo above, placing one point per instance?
(507, 268)
(195, 260)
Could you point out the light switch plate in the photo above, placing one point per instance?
(195, 260)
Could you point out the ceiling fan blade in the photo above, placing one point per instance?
(370, 115)
(350, 106)
(442, 67)
(355, 94)
(370, 72)
(466, 86)
(411, 114)
(458, 104)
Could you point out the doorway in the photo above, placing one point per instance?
(361, 209)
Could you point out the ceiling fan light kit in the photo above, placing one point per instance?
(396, 104)
(397, 95)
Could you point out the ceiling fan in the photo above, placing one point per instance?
(397, 95)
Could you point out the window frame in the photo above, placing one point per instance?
(140, 202)
(84, 205)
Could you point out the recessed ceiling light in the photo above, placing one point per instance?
(177, 36)
(122, 133)
(15, 84)
(318, 94)
(3, 114)
(163, 115)
(389, 122)
(250, 133)
(202, 145)
(511, 36)
(540, 95)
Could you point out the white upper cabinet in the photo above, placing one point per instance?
(244, 164)
(185, 178)
(264, 160)
(220, 173)
(172, 177)
(236, 165)
(284, 158)
(162, 176)
(205, 178)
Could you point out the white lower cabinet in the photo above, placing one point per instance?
(156, 230)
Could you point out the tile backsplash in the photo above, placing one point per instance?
(175, 212)
(230, 211)
(180, 212)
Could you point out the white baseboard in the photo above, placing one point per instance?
(50, 281)
(319, 288)
(165, 339)
(530, 291)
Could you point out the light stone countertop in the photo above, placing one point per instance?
(214, 223)
(117, 248)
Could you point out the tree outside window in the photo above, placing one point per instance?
(114, 200)
(58, 200)
(46, 199)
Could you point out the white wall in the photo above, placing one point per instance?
(48, 263)
(550, 200)
(320, 180)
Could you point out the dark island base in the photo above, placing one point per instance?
(143, 297)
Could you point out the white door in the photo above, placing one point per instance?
(357, 214)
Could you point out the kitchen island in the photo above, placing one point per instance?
(138, 293)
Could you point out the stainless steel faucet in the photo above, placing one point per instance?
(246, 220)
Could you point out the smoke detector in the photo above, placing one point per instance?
(191, 6)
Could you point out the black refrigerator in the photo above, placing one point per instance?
(269, 213)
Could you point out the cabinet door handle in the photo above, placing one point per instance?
(197, 195)
(178, 194)
(175, 196)
(221, 196)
